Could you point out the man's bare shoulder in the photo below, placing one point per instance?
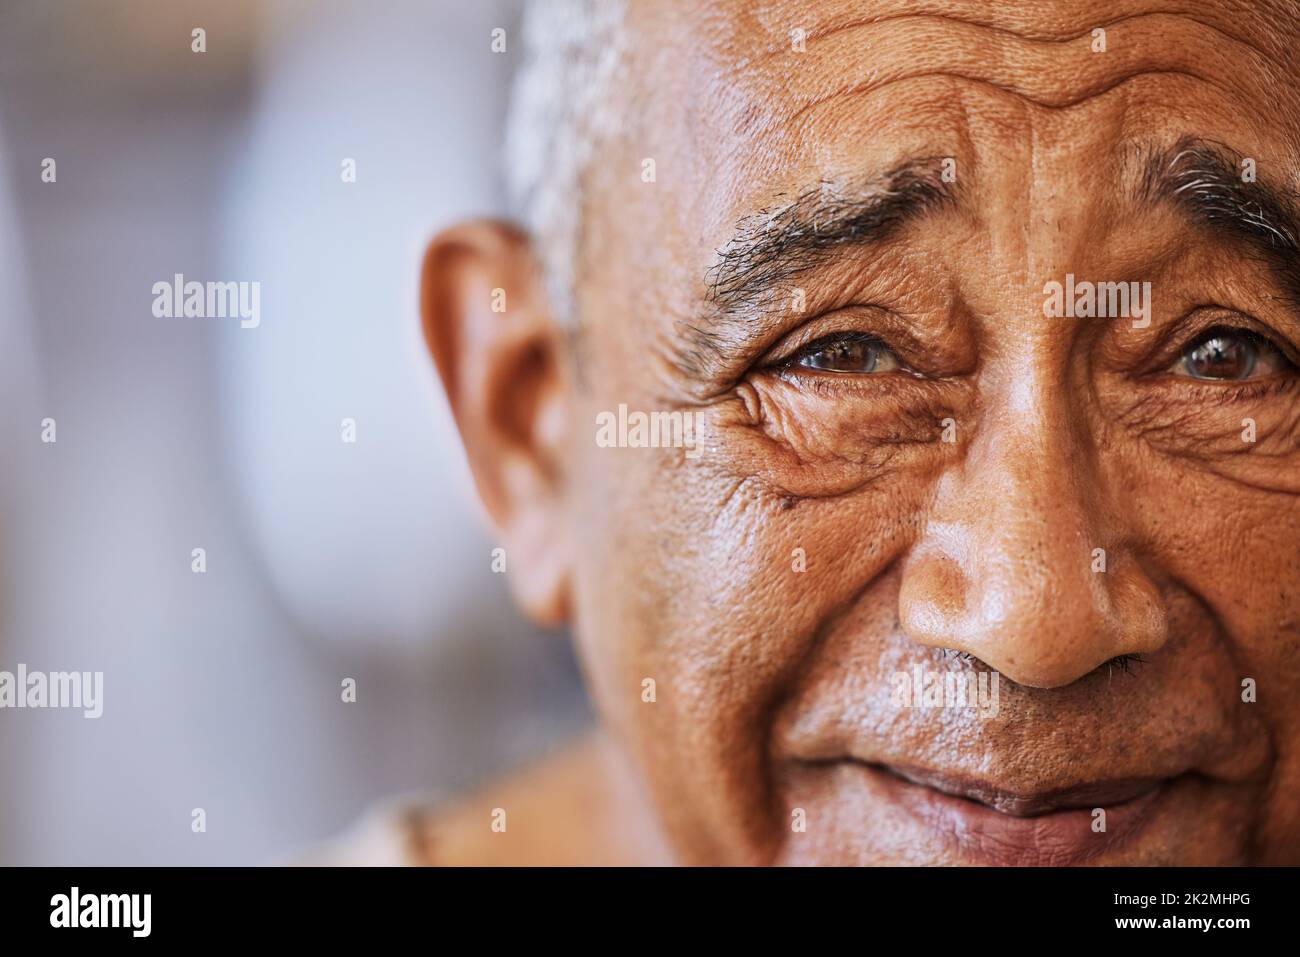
(571, 808)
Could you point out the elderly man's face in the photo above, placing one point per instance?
(917, 459)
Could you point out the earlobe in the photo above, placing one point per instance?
(502, 361)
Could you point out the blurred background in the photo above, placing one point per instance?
(325, 560)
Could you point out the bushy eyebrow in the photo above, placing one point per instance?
(1205, 180)
(773, 247)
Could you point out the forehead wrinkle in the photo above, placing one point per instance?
(976, 20)
(1060, 104)
(1057, 74)
(1065, 35)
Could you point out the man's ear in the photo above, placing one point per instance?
(503, 362)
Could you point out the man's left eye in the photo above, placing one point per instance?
(1230, 355)
(848, 353)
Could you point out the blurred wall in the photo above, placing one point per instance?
(325, 560)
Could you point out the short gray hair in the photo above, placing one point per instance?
(561, 109)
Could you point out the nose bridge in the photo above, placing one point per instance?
(1007, 569)
(1028, 515)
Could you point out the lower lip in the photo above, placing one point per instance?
(982, 835)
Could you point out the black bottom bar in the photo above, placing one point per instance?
(306, 905)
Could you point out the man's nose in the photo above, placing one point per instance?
(1024, 562)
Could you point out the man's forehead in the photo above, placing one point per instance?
(742, 29)
(773, 98)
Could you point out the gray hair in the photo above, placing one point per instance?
(561, 109)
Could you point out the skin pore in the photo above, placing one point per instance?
(840, 269)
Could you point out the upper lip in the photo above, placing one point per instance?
(1105, 793)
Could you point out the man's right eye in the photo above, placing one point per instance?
(1228, 354)
(845, 354)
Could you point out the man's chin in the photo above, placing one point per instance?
(859, 813)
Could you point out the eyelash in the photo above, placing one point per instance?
(1244, 332)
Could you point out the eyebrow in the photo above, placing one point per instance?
(777, 245)
(1204, 179)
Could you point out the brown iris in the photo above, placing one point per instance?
(1221, 355)
(847, 354)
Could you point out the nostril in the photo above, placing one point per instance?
(1124, 663)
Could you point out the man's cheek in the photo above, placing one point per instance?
(760, 568)
(1252, 445)
(1250, 578)
(1232, 545)
(702, 597)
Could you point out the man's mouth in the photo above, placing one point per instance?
(1098, 794)
(985, 823)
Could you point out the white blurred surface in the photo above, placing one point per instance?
(324, 560)
(353, 534)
